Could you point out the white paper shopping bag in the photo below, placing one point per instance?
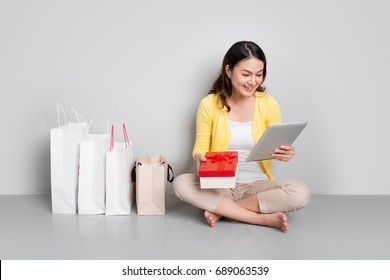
(92, 173)
(64, 162)
(119, 190)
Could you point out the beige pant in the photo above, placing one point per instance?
(272, 195)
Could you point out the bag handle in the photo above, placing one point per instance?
(106, 120)
(58, 114)
(78, 116)
(170, 175)
(112, 138)
(170, 172)
(127, 141)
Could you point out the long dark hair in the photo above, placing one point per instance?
(239, 51)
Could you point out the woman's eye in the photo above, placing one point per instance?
(245, 75)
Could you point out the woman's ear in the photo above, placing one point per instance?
(228, 71)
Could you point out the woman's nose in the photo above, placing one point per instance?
(252, 80)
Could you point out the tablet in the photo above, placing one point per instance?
(273, 137)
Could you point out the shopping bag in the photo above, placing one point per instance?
(92, 173)
(151, 174)
(119, 190)
(64, 162)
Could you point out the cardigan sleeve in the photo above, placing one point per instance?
(204, 125)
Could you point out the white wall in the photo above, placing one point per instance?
(148, 63)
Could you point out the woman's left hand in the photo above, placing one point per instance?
(284, 153)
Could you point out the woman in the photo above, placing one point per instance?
(233, 116)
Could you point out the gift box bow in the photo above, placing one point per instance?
(228, 157)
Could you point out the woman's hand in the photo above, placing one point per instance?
(284, 153)
(199, 158)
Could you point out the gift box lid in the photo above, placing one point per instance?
(219, 164)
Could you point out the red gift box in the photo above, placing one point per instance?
(219, 170)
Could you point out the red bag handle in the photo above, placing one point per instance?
(127, 141)
(112, 138)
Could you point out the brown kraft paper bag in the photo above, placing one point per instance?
(151, 174)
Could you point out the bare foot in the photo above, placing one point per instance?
(211, 218)
(276, 220)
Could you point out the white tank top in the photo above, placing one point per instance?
(241, 140)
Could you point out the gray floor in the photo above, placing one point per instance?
(331, 227)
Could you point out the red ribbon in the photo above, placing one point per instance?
(228, 157)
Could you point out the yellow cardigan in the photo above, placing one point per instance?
(212, 126)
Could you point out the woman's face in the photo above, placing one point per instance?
(246, 76)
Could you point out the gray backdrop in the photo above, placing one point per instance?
(148, 64)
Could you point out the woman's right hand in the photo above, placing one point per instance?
(199, 158)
